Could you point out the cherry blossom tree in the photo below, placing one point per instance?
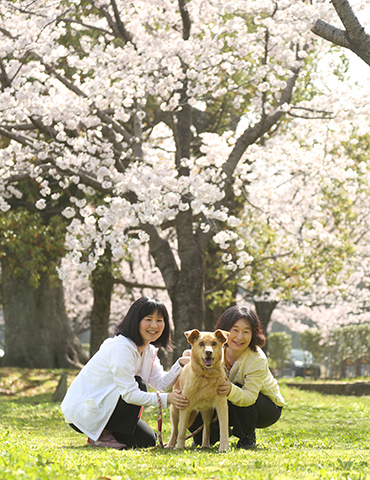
(32, 294)
(96, 304)
(156, 112)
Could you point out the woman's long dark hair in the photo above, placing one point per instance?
(233, 314)
(144, 306)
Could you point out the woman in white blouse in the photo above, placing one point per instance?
(106, 398)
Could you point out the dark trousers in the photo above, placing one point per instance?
(125, 423)
(244, 420)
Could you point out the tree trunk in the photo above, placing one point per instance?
(37, 330)
(264, 311)
(102, 284)
(188, 305)
(219, 282)
(212, 315)
(185, 285)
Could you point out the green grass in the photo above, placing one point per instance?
(318, 437)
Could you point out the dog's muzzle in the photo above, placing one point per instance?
(208, 360)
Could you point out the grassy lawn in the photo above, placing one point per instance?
(318, 437)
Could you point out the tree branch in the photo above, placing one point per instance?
(186, 22)
(123, 33)
(126, 283)
(27, 142)
(330, 33)
(353, 37)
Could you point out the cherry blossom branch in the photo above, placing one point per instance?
(123, 33)
(103, 116)
(353, 37)
(22, 139)
(186, 22)
(236, 272)
(252, 134)
(4, 79)
(128, 284)
(118, 29)
(163, 255)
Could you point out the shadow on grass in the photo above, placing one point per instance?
(27, 400)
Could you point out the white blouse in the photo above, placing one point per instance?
(109, 374)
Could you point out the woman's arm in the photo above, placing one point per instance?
(253, 380)
(163, 381)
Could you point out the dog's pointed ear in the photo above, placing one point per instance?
(192, 335)
(222, 335)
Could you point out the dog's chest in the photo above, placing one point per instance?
(201, 391)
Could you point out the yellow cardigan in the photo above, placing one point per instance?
(252, 372)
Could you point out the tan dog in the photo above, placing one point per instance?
(199, 381)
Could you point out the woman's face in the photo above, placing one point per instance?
(240, 336)
(151, 327)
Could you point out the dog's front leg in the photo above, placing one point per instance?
(207, 418)
(174, 413)
(183, 423)
(223, 419)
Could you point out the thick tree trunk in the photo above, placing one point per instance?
(216, 281)
(185, 286)
(264, 311)
(212, 315)
(102, 284)
(188, 305)
(37, 330)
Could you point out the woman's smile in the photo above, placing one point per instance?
(240, 336)
(151, 327)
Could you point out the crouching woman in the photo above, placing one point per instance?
(252, 392)
(106, 398)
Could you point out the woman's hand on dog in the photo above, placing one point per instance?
(184, 360)
(177, 399)
(224, 388)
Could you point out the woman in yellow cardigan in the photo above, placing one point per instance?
(252, 392)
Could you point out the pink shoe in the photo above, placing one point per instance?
(106, 440)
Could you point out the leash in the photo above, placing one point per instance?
(160, 439)
(160, 422)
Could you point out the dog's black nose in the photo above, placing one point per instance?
(209, 353)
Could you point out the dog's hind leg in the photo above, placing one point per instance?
(207, 418)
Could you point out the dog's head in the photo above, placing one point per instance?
(206, 349)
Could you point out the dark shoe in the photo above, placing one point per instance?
(247, 442)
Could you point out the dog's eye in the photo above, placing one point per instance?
(214, 344)
(201, 344)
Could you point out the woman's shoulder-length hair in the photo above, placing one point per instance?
(141, 308)
(235, 313)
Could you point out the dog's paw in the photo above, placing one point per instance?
(180, 446)
(223, 448)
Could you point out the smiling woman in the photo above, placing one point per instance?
(106, 398)
(252, 392)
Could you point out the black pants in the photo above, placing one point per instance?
(126, 426)
(244, 420)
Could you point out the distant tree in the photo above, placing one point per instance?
(37, 328)
(279, 349)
